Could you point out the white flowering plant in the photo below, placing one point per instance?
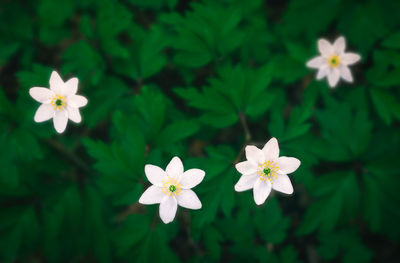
(199, 131)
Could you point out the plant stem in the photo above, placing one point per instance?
(243, 121)
(72, 157)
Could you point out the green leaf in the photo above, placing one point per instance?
(47, 7)
(86, 63)
(393, 41)
(145, 56)
(300, 16)
(289, 255)
(338, 196)
(154, 4)
(346, 129)
(356, 17)
(22, 233)
(212, 241)
(386, 105)
(151, 105)
(217, 188)
(137, 240)
(208, 32)
(176, 131)
(109, 159)
(96, 226)
(274, 231)
(9, 177)
(7, 51)
(220, 106)
(103, 101)
(346, 242)
(132, 233)
(380, 194)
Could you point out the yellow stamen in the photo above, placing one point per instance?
(171, 187)
(58, 102)
(334, 61)
(268, 171)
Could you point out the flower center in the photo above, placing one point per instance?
(268, 171)
(58, 102)
(171, 187)
(334, 61)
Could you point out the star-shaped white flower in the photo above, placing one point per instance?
(333, 61)
(172, 188)
(60, 102)
(264, 170)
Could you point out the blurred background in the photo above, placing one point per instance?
(200, 80)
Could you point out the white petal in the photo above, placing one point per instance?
(56, 83)
(71, 86)
(246, 167)
(323, 71)
(271, 149)
(288, 165)
(325, 47)
(349, 58)
(76, 101)
(191, 178)
(188, 199)
(152, 195)
(73, 114)
(316, 62)
(345, 73)
(44, 112)
(261, 191)
(60, 120)
(333, 77)
(175, 168)
(339, 45)
(42, 95)
(282, 184)
(254, 155)
(246, 182)
(168, 207)
(155, 174)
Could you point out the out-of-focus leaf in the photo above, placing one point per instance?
(274, 230)
(338, 196)
(209, 32)
(220, 106)
(346, 242)
(84, 61)
(346, 130)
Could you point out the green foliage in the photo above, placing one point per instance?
(246, 94)
(346, 243)
(208, 32)
(199, 80)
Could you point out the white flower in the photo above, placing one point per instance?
(265, 170)
(59, 102)
(333, 62)
(172, 188)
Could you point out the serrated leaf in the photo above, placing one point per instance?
(176, 131)
(275, 230)
(346, 242)
(338, 198)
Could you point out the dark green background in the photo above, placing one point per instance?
(166, 78)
